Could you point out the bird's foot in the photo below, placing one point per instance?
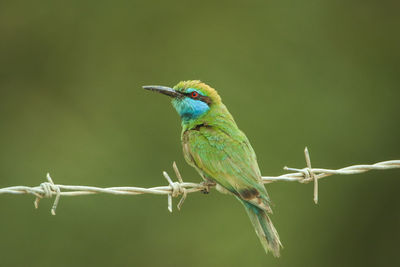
(207, 185)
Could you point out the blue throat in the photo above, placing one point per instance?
(189, 109)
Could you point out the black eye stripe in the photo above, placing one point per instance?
(200, 97)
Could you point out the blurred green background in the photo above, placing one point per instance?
(324, 74)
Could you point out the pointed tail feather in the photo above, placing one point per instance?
(264, 228)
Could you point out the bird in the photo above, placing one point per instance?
(221, 153)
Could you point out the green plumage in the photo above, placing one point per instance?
(221, 153)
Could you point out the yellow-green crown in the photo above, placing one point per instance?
(200, 86)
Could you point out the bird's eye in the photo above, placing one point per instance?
(194, 94)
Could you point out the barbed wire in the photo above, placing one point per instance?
(174, 189)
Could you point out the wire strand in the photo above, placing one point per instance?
(174, 189)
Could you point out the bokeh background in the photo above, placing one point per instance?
(324, 74)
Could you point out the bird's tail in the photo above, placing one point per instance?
(265, 230)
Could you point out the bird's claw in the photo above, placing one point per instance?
(207, 185)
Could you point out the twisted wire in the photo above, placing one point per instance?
(174, 189)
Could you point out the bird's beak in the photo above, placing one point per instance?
(163, 90)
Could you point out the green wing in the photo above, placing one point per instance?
(227, 159)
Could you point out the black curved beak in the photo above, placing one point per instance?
(163, 90)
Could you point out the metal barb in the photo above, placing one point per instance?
(177, 173)
(58, 194)
(48, 190)
(179, 176)
(312, 175)
(176, 188)
(172, 187)
(308, 174)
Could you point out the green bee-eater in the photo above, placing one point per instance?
(221, 153)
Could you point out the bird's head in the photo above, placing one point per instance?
(191, 99)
